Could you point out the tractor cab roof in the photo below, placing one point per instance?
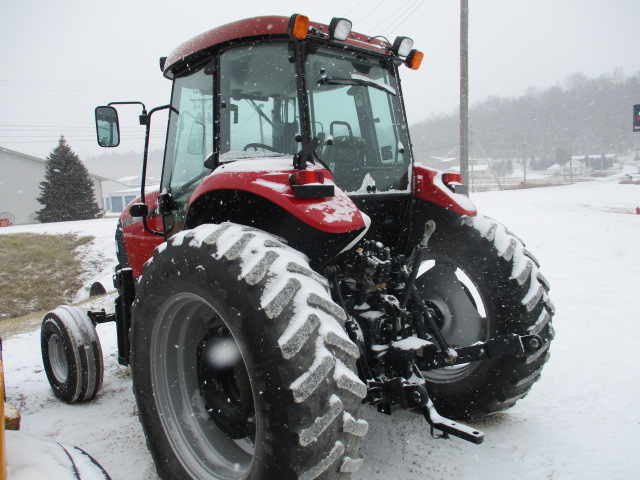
(192, 51)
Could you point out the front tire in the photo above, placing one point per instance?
(71, 354)
(241, 366)
(482, 282)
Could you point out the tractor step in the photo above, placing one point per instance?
(450, 427)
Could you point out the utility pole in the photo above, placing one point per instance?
(464, 92)
(570, 168)
(524, 157)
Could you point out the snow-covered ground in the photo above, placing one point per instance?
(581, 420)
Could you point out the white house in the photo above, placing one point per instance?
(573, 167)
(554, 169)
(20, 177)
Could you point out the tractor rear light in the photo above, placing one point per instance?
(339, 28)
(414, 59)
(306, 177)
(310, 184)
(453, 182)
(448, 178)
(402, 46)
(298, 26)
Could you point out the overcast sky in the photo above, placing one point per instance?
(59, 59)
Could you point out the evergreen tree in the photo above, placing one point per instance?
(67, 191)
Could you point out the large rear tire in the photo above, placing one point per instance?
(241, 366)
(482, 282)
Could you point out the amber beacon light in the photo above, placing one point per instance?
(298, 26)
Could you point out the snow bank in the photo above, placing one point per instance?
(98, 258)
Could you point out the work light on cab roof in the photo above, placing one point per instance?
(300, 27)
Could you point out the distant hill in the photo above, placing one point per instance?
(580, 116)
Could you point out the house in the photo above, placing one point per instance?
(20, 177)
(478, 168)
(118, 200)
(554, 170)
(574, 167)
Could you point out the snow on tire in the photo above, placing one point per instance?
(241, 366)
(508, 293)
(71, 354)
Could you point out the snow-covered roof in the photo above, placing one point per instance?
(44, 162)
(575, 163)
(553, 167)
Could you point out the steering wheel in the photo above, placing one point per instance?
(257, 146)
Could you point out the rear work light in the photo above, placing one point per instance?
(339, 28)
(402, 46)
(310, 184)
(298, 26)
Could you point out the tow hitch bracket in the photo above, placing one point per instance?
(449, 427)
(398, 392)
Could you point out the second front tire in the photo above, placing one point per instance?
(241, 366)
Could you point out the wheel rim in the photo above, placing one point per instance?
(203, 448)
(57, 358)
(460, 312)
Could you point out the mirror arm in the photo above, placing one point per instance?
(144, 109)
(144, 160)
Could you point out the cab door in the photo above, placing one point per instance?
(190, 142)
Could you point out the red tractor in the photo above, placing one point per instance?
(295, 263)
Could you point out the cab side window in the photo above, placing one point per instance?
(190, 140)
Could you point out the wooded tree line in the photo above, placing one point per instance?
(581, 116)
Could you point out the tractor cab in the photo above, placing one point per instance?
(257, 97)
(284, 87)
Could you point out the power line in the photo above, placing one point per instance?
(395, 16)
(371, 11)
(74, 140)
(75, 83)
(395, 27)
(353, 8)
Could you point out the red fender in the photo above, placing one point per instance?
(138, 242)
(269, 178)
(428, 186)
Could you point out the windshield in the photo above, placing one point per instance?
(258, 102)
(355, 109)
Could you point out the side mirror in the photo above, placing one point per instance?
(107, 127)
